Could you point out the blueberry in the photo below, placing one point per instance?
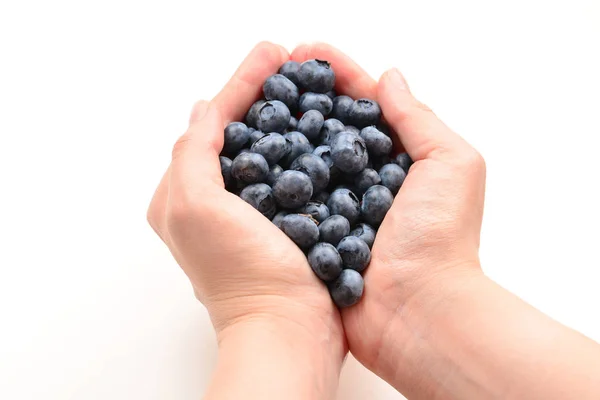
(278, 218)
(252, 115)
(254, 136)
(293, 124)
(324, 152)
(347, 289)
(331, 94)
(301, 229)
(278, 87)
(226, 170)
(260, 196)
(365, 232)
(310, 124)
(272, 146)
(353, 129)
(331, 127)
(349, 152)
(365, 179)
(334, 229)
(250, 168)
(315, 168)
(322, 197)
(236, 136)
(299, 145)
(290, 71)
(377, 142)
(325, 261)
(315, 101)
(273, 116)
(344, 202)
(274, 172)
(355, 253)
(316, 76)
(315, 209)
(364, 112)
(375, 204)
(392, 177)
(341, 108)
(404, 161)
(293, 189)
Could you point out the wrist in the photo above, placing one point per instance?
(288, 355)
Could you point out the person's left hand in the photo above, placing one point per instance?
(242, 267)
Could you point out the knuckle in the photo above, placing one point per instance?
(472, 160)
(180, 145)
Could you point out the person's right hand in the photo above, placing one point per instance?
(430, 237)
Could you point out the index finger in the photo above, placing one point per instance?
(350, 79)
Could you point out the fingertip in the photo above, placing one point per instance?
(199, 111)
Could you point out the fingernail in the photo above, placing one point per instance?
(199, 110)
(397, 79)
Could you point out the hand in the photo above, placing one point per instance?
(429, 238)
(247, 273)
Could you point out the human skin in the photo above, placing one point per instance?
(278, 332)
(430, 323)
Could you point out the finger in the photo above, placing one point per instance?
(158, 204)
(195, 156)
(245, 86)
(350, 79)
(420, 130)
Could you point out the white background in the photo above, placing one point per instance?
(94, 94)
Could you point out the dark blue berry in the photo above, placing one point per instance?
(236, 136)
(273, 116)
(364, 112)
(334, 229)
(274, 172)
(392, 177)
(290, 71)
(278, 87)
(299, 145)
(278, 218)
(310, 124)
(316, 76)
(349, 152)
(252, 115)
(315, 209)
(250, 168)
(355, 253)
(365, 232)
(377, 142)
(301, 229)
(341, 108)
(260, 196)
(325, 261)
(365, 179)
(316, 169)
(347, 289)
(331, 127)
(293, 189)
(344, 202)
(315, 101)
(375, 204)
(404, 161)
(226, 170)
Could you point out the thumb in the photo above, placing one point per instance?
(420, 130)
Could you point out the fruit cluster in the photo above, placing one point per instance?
(325, 179)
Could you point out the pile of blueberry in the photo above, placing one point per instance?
(318, 165)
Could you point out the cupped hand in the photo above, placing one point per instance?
(242, 268)
(429, 239)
